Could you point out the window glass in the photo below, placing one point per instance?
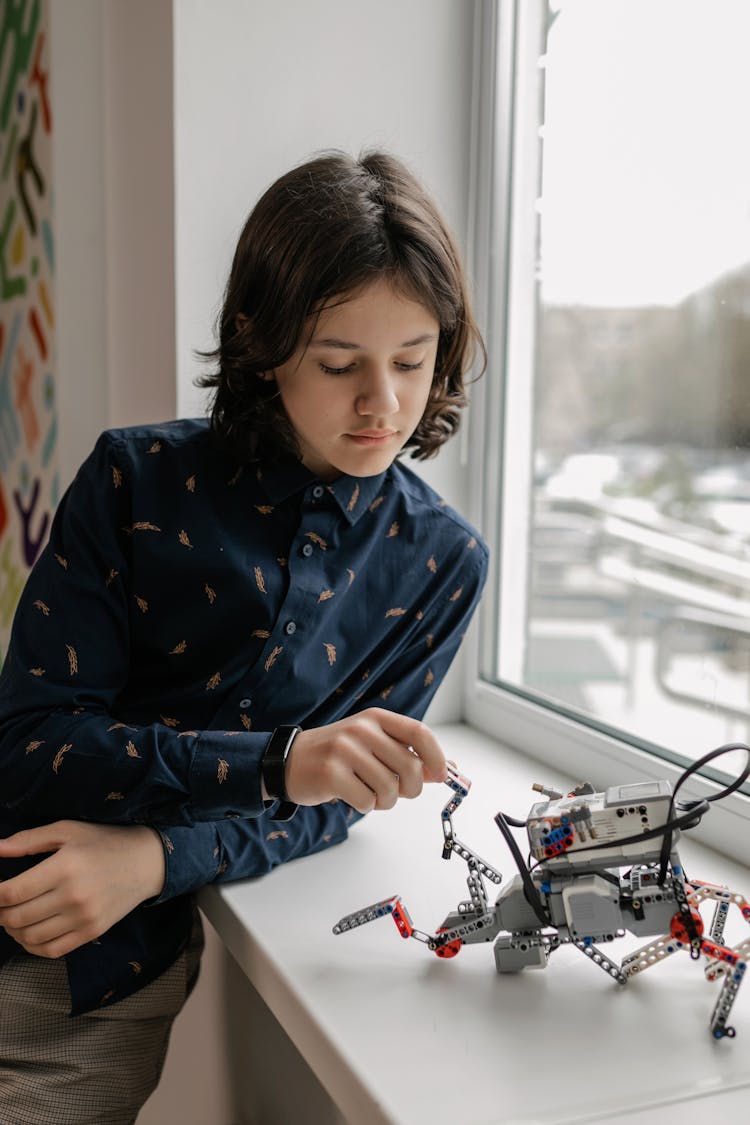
(635, 606)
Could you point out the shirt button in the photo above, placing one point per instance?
(290, 627)
(245, 703)
(307, 550)
(318, 491)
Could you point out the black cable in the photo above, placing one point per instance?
(691, 769)
(511, 820)
(531, 894)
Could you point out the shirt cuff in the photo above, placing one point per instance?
(191, 858)
(225, 775)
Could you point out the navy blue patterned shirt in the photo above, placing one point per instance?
(184, 608)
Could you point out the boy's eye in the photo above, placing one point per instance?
(337, 370)
(398, 364)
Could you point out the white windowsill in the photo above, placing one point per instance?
(398, 1037)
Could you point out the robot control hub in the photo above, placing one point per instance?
(600, 864)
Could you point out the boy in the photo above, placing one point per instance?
(222, 658)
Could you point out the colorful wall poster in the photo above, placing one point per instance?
(29, 481)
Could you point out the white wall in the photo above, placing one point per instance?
(111, 82)
(139, 213)
(262, 84)
(76, 77)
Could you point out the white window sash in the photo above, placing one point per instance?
(501, 261)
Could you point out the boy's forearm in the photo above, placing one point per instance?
(90, 766)
(241, 849)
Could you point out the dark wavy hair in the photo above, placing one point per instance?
(320, 233)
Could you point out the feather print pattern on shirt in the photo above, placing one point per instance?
(210, 605)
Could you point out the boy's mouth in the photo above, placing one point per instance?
(372, 437)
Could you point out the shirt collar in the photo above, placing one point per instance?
(283, 479)
(354, 495)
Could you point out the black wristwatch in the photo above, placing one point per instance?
(273, 768)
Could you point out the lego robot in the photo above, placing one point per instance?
(603, 864)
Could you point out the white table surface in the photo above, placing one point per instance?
(398, 1036)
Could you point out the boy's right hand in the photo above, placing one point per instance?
(94, 875)
(368, 760)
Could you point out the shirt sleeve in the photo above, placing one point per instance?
(62, 751)
(240, 849)
(409, 683)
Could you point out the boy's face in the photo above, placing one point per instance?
(357, 391)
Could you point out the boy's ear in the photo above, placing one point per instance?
(267, 376)
(240, 321)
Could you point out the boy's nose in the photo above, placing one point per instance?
(377, 395)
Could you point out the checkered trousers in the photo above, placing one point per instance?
(94, 1069)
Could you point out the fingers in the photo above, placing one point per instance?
(28, 912)
(34, 841)
(52, 922)
(409, 749)
(388, 773)
(56, 945)
(34, 898)
(358, 777)
(368, 760)
(26, 887)
(41, 926)
(389, 769)
(414, 735)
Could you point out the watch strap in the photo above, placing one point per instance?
(273, 769)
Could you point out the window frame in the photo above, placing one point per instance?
(502, 245)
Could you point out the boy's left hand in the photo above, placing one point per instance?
(96, 875)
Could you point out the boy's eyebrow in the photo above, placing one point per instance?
(334, 342)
